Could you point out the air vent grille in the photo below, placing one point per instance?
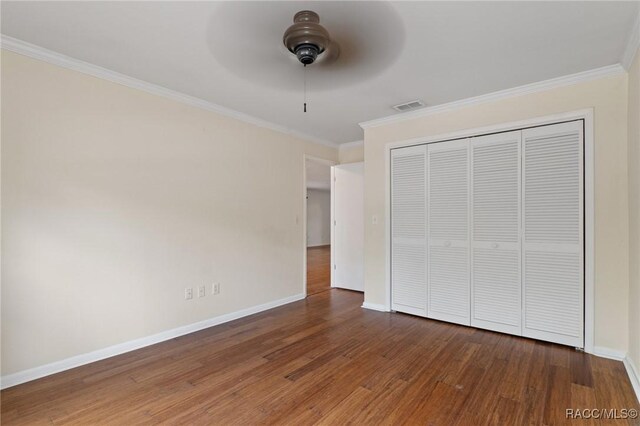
(409, 106)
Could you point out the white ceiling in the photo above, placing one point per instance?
(318, 174)
(231, 53)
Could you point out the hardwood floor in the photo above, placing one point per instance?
(318, 269)
(326, 360)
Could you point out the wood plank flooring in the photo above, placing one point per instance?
(325, 360)
(318, 269)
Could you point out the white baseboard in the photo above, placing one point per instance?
(634, 375)
(375, 307)
(609, 353)
(78, 360)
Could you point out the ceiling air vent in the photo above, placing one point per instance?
(409, 106)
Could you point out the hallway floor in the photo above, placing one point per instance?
(318, 269)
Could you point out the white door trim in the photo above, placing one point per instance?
(589, 199)
(329, 163)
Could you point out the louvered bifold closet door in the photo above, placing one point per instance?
(448, 225)
(553, 279)
(496, 302)
(409, 230)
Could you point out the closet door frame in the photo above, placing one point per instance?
(589, 261)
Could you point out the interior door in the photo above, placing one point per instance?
(409, 230)
(553, 245)
(496, 301)
(448, 225)
(348, 226)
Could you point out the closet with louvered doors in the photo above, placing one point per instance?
(488, 231)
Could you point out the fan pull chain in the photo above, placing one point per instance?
(304, 78)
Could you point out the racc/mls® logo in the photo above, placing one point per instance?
(601, 413)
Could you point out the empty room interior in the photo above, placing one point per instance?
(320, 212)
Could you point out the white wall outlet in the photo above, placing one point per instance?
(216, 288)
(188, 293)
(202, 291)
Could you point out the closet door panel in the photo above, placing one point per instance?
(496, 302)
(449, 284)
(553, 233)
(409, 230)
(496, 295)
(448, 224)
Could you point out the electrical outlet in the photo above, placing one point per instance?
(216, 289)
(188, 293)
(201, 291)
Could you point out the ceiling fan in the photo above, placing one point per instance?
(341, 42)
(307, 39)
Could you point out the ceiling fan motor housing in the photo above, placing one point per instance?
(306, 38)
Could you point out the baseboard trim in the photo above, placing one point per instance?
(375, 307)
(634, 375)
(79, 360)
(609, 353)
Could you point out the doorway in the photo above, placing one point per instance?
(318, 225)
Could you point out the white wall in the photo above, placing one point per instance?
(318, 217)
(608, 98)
(634, 212)
(114, 200)
(351, 154)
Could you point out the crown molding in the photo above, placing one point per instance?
(541, 86)
(37, 52)
(633, 44)
(353, 144)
